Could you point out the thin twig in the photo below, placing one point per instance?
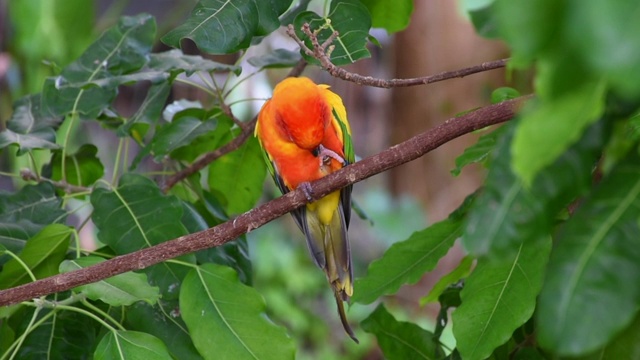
(252, 219)
(206, 159)
(28, 175)
(319, 52)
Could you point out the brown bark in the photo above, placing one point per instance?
(438, 39)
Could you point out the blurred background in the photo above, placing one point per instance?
(38, 37)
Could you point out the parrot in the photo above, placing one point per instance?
(304, 135)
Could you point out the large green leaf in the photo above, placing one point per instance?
(82, 168)
(399, 339)
(268, 12)
(223, 27)
(119, 51)
(498, 297)
(506, 213)
(595, 260)
(548, 128)
(226, 319)
(69, 335)
(392, 16)
(626, 345)
(24, 213)
(137, 215)
(119, 290)
(29, 128)
(55, 30)
(407, 261)
(124, 344)
(529, 27)
(605, 33)
(162, 320)
(239, 176)
(351, 19)
(42, 254)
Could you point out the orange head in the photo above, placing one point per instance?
(301, 111)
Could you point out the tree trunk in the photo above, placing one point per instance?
(439, 39)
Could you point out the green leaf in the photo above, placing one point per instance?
(120, 290)
(268, 12)
(239, 175)
(29, 128)
(24, 213)
(478, 152)
(407, 261)
(149, 112)
(120, 50)
(605, 34)
(399, 339)
(82, 168)
(59, 329)
(503, 94)
(206, 142)
(498, 297)
(594, 261)
(461, 271)
(392, 16)
(124, 344)
(137, 215)
(42, 254)
(278, 58)
(181, 131)
(626, 345)
(234, 254)
(223, 27)
(548, 129)
(484, 19)
(175, 62)
(226, 319)
(351, 19)
(164, 322)
(529, 27)
(506, 213)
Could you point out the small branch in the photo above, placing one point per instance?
(319, 52)
(252, 219)
(206, 159)
(209, 157)
(28, 175)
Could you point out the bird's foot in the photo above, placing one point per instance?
(324, 154)
(307, 190)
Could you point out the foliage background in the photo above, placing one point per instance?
(550, 241)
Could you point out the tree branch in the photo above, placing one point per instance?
(319, 52)
(27, 175)
(223, 233)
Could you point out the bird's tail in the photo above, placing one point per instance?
(343, 316)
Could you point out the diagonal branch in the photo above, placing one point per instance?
(319, 52)
(223, 233)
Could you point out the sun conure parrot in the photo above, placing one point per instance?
(305, 135)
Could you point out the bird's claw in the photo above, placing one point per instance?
(307, 190)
